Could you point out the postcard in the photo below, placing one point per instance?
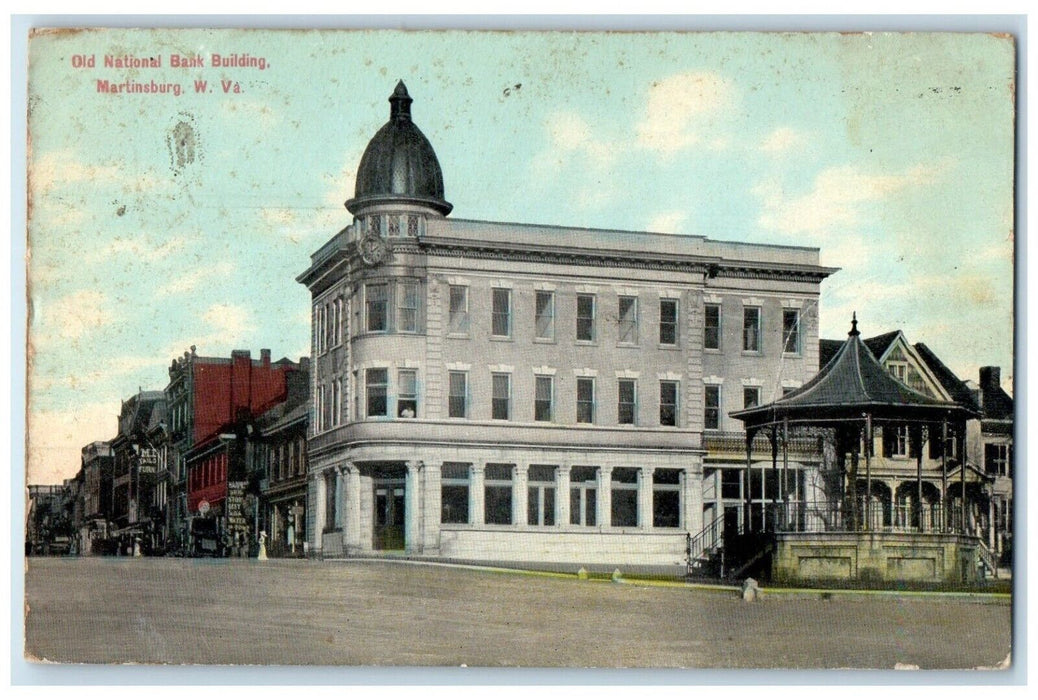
(687, 350)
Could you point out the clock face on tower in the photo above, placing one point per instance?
(373, 249)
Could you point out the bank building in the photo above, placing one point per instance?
(496, 391)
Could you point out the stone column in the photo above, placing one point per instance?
(604, 511)
(562, 514)
(340, 520)
(520, 494)
(319, 511)
(692, 499)
(433, 505)
(412, 508)
(351, 521)
(645, 497)
(477, 493)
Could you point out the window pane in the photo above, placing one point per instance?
(376, 295)
(377, 380)
(791, 330)
(668, 321)
(665, 508)
(454, 503)
(498, 504)
(751, 329)
(750, 396)
(628, 315)
(500, 397)
(459, 309)
(712, 408)
(408, 321)
(585, 400)
(668, 403)
(407, 398)
(585, 317)
(545, 321)
(625, 507)
(625, 409)
(456, 400)
(542, 399)
(712, 327)
(501, 312)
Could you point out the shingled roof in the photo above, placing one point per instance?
(851, 384)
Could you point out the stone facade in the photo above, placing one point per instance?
(505, 391)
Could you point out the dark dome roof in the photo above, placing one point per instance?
(399, 164)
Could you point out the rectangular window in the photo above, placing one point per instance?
(712, 406)
(454, 493)
(377, 298)
(586, 317)
(457, 395)
(791, 331)
(545, 316)
(750, 396)
(625, 497)
(731, 483)
(895, 441)
(996, 459)
(668, 403)
(501, 396)
(407, 321)
(668, 321)
(712, 327)
(583, 491)
(541, 495)
(666, 498)
(626, 396)
(459, 309)
(498, 494)
(543, 391)
(329, 500)
(627, 320)
(585, 400)
(376, 381)
(751, 329)
(393, 225)
(407, 393)
(501, 318)
(336, 401)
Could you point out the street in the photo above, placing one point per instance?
(103, 610)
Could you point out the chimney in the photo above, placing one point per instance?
(990, 378)
(265, 357)
(304, 364)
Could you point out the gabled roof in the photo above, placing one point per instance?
(827, 350)
(879, 344)
(850, 385)
(955, 387)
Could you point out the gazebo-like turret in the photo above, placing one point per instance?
(848, 399)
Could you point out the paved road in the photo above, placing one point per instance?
(379, 613)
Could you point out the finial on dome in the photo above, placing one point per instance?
(854, 323)
(400, 102)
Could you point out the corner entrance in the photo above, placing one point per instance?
(388, 530)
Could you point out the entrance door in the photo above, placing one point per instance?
(389, 515)
(731, 522)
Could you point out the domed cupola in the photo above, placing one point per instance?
(399, 165)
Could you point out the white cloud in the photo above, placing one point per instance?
(57, 436)
(680, 112)
(782, 140)
(189, 281)
(70, 317)
(835, 201)
(84, 378)
(56, 168)
(231, 324)
(142, 249)
(668, 222)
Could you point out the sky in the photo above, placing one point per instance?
(892, 154)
